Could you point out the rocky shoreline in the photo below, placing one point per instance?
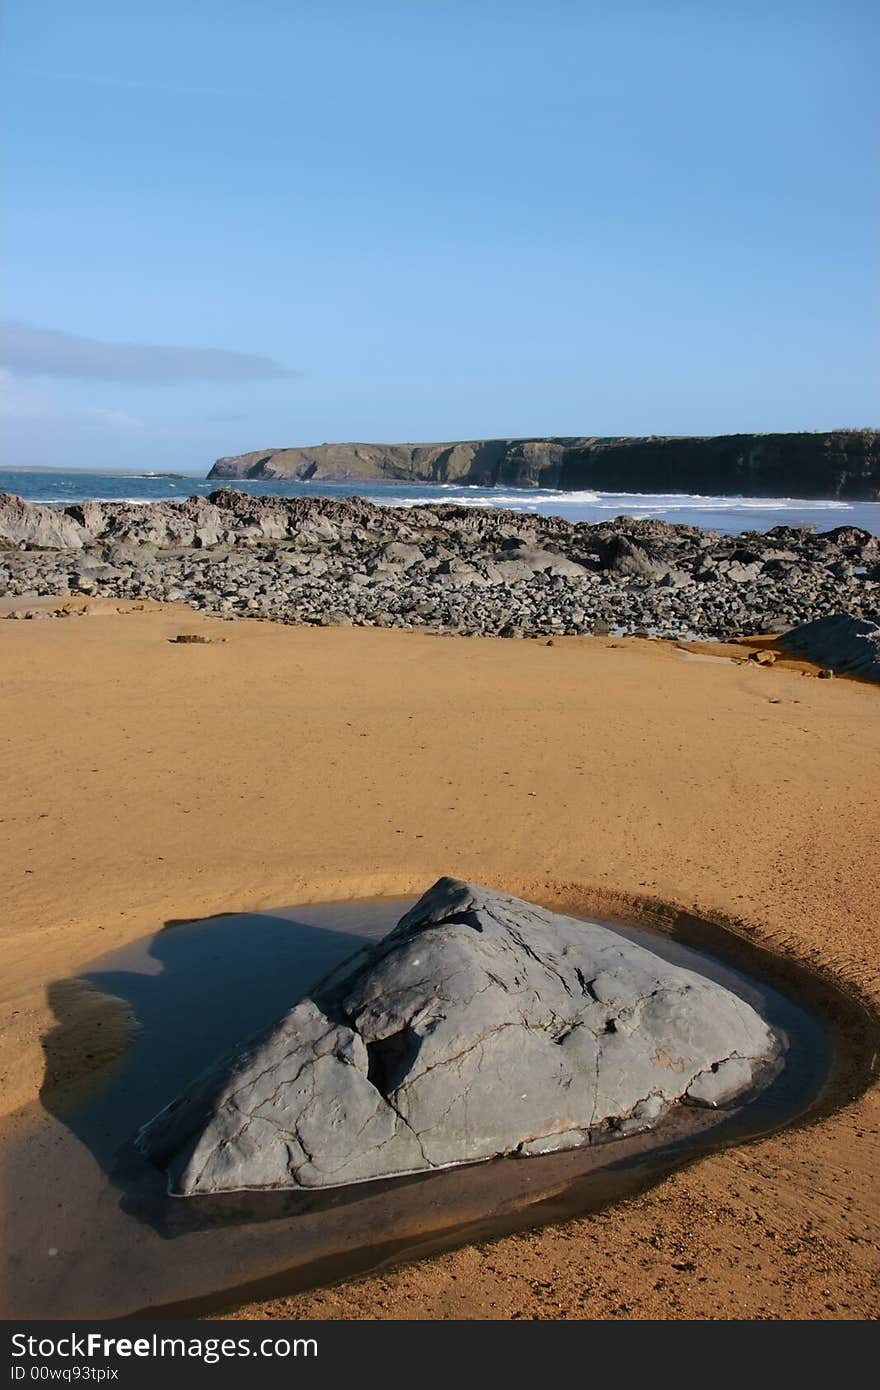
(441, 568)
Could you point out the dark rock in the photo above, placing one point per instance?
(840, 643)
(624, 557)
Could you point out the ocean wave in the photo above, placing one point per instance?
(617, 502)
(522, 503)
(510, 495)
(696, 501)
(74, 501)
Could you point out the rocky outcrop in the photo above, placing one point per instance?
(226, 516)
(30, 524)
(481, 1026)
(836, 464)
(839, 643)
(444, 568)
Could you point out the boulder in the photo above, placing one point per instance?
(738, 573)
(626, 559)
(129, 553)
(480, 1026)
(35, 525)
(523, 561)
(843, 644)
(403, 556)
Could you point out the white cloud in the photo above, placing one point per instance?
(29, 351)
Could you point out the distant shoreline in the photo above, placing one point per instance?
(198, 474)
(830, 465)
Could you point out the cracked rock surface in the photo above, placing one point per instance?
(481, 1025)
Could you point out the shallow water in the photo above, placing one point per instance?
(729, 515)
(90, 1232)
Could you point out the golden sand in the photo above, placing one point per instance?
(145, 781)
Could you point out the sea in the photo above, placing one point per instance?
(729, 515)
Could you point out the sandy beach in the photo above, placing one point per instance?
(147, 781)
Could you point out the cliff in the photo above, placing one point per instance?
(516, 462)
(841, 464)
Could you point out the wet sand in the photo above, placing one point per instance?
(146, 781)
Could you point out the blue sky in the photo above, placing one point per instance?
(241, 225)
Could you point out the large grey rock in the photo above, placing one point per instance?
(623, 557)
(524, 561)
(845, 644)
(481, 1025)
(397, 554)
(37, 525)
